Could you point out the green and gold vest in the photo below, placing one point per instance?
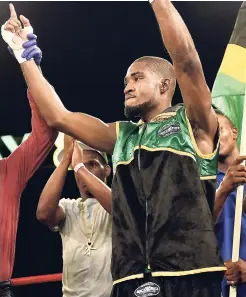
(163, 194)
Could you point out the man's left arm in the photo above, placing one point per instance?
(187, 65)
(96, 187)
(26, 159)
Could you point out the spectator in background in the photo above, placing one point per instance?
(84, 223)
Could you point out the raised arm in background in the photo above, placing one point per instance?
(195, 92)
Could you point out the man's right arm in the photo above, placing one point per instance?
(86, 128)
(49, 212)
(83, 127)
(220, 199)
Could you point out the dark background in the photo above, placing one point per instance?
(87, 48)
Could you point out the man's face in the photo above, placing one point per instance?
(141, 90)
(228, 136)
(93, 163)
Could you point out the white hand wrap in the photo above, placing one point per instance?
(17, 47)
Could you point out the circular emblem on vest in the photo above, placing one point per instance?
(148, 289)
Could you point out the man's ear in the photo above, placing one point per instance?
(164, 85)
(107, 170)
(235, 133)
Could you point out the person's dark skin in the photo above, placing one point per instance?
(235, 175)
(90, 180)
(147, 86)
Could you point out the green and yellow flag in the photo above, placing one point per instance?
(229, 87)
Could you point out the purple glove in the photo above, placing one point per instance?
(31, 50)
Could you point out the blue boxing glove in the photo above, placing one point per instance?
(32, 51)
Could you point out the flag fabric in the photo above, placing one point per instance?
(228, 96)
(229, 87)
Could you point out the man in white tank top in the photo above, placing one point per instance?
(83, 223)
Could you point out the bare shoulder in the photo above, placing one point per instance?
(113, 129)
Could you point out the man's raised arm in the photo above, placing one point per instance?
(27, 158)
(88, 129)
(188, 68)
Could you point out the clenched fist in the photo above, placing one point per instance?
(235, 176)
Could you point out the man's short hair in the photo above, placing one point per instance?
(159, 65)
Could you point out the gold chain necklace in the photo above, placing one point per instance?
(89, 235)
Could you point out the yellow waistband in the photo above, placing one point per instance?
(171, 273)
